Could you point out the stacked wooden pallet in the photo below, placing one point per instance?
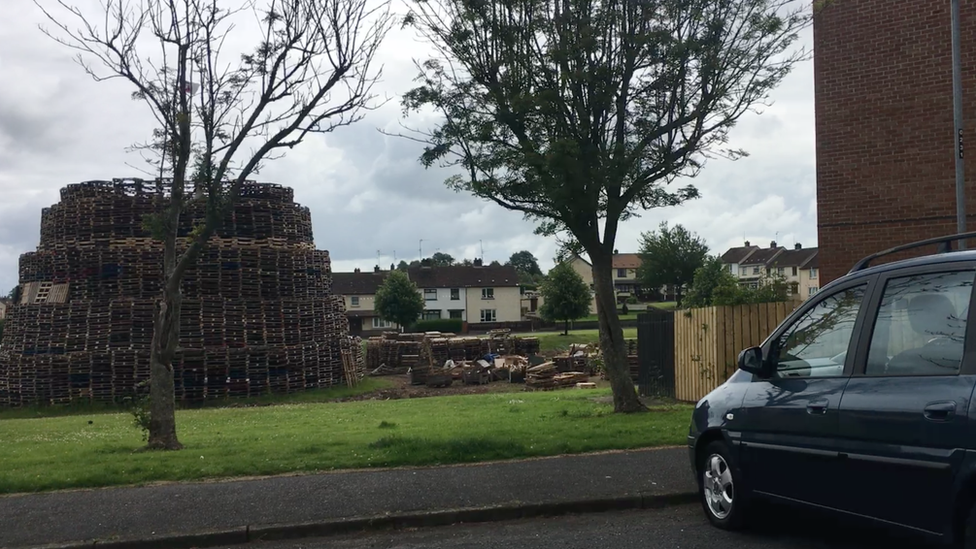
(258, 315)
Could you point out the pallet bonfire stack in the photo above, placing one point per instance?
(258, 315)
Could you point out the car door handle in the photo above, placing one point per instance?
(939, 411)
(817, 407)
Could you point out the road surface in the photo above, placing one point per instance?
(682, 527)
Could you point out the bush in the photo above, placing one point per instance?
(632, 300)
(624, 310)
(454, 325)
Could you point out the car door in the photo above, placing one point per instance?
(790, 426)
(903, 416)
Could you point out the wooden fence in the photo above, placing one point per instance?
(707, 342)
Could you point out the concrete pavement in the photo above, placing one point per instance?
(224, 513)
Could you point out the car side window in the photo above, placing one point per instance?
(816, 344)
(921, 325)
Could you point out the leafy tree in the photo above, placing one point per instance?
(402, 266)
(14, 295)
(580, 113)
(670, 256)
(525, 262)
(398, 299)
(710, 276)
(495, 263)
(467, 262)
(440, 259)
(221, 113)
(565, 296)
(714, 285)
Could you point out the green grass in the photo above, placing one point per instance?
(367, 385)
(550, 342)
(104, 449)
(664, 305)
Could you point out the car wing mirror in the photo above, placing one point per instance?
(751, 360)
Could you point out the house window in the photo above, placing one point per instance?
(732, 269)
(488, 315)
(434, 314)
(813, 273)
(487, 293)
(430, 294)
(779, 270)
(354, 301)
(455, 294)
(812, 290)
(379, 323)
(795, 271)
(755, 270)
(621, 273)
(456, 314)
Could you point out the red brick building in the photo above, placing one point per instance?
(885, 164)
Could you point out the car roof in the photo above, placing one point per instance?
(932, 259)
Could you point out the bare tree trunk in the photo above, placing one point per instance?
(612, 347)
(566, 327)
(166, 338)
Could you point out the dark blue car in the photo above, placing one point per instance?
(860, 402)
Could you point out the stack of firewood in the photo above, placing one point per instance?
(541, 376)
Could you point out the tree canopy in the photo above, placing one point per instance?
(565, 296)
(525, 262)
(670, 256)
(713, 285)
(398, 299)
(582, 113)
(440, 259)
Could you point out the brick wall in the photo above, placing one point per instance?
(885, 171)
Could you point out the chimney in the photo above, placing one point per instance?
(392, 267)
(356, 270)
(478, 262)
(798, 246)
(747, 243)
(615, 252)
(376, 269)
(772, 244)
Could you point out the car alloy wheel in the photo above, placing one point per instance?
(719, 490)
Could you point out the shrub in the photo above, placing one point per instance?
(439, 325)
(632, 300)
(624, 310)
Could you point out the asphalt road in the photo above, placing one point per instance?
(682, 527)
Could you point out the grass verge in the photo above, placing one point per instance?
(553, 342)
(104, 450)
(367, 385)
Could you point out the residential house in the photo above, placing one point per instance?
(753, 268)
(472, 293)
(475, 293)
(733, 258)
(625, 283)
(799, 268)
(359, 291)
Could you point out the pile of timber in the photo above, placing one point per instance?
(394, 353)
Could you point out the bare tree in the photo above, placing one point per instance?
(307, 67)
(580, 113)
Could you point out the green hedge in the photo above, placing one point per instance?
(438, 325)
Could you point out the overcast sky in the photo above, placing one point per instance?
(366, 191)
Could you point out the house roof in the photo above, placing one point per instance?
(357, 283)
(795, 258)
(464, 276)
(626, 261)
(762, 256)
(736, 255)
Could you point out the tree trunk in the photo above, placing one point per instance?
(612, 346)
(166, 336)
(566, 328)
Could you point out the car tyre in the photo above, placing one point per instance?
(720, 488)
